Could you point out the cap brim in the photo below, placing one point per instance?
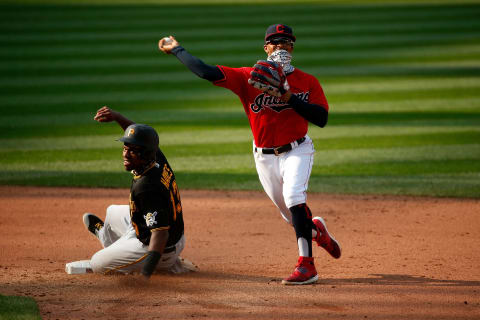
(128, 140)
(281, 35)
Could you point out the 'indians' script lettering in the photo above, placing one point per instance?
(264, 100)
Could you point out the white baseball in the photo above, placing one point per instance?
(167, 41)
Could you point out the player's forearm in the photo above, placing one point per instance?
(158, 240)
(122, 121)
(197, 66)
(313, 113)
(157, 244)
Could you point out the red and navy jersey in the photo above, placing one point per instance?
(273, 122)
(155, 202)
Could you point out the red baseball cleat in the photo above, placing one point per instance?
(304, 272)
(325, 240)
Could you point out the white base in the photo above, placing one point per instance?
(78, 267)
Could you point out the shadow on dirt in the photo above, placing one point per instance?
(375, 279)
(400, 279)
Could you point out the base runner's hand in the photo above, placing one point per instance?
(105, 114)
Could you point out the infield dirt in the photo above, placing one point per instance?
(403, 258)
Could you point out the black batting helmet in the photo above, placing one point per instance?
(141, 135)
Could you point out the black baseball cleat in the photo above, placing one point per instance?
(93, 223)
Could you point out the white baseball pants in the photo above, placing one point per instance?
(123, 252)
(285, 177)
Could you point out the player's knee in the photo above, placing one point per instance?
(117, 211)
(111, 210)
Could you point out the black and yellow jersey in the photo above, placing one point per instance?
(155, 202)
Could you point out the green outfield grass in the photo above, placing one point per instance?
(402, 80)
(18, 308)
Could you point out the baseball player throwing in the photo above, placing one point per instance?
(146, 235)
(279, 101)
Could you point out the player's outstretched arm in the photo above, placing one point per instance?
(170, 45)
(105, 114)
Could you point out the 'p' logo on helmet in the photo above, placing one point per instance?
(131, 132)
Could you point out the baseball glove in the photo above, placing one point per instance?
(269, 77)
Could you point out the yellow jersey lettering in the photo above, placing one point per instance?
(173, 206)
(166, 176)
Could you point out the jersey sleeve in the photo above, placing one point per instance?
(155, 210)
(234, 79)
(317, 96)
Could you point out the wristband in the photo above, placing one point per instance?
(150, 263)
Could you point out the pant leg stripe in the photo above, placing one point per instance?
(125, 266)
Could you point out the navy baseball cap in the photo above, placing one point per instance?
(280, 31)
